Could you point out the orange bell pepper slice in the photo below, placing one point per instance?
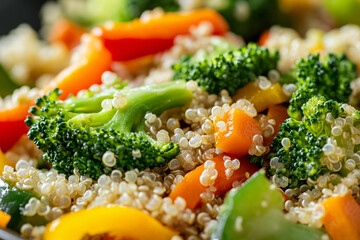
(67, 33)
(94, 60)
(190, 188)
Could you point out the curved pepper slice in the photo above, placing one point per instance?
(67, 33)
(137, 38)
(190, 188)
(93, 61)
(111, 222)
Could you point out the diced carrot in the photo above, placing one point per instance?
(264, 38)
(279, 114)
(4, 219)
(262, 99)
(66, 32)
(190, 188)
(234, 132)
(342, 217)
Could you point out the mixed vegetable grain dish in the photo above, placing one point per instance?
(182, 120)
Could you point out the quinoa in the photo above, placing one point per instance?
(30, 60)
(191, 127)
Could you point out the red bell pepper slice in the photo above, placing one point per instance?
(137, 38)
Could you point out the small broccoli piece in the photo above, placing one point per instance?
(330, 78)
(230, 71)
(320, 143)
(79, 134)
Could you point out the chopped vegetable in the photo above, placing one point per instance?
(12, 202)
(279, 114)
(344, 11)
(234, 132)
(137, 38)
(342, 217)
(303, 149)
(66, 32)
(91, 63)
(4, 219)
(113, 222)
(255, 211)
(262, 98)
(264, 37)
(229, 71)
(329, 78)
(86, 71)
(7, 83)
(94, 137)
(191, 188)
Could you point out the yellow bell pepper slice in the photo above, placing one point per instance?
(4, 161)
(4, 219)
(262, 99)
(114, 222)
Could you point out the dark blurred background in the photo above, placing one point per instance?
(15, 12)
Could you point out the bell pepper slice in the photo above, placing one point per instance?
(137, 38)
(190, 188)
(93, 61)
(113, 222)
(262, 99)
(4, 219)
(67, 33)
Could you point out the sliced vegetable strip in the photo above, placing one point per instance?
(262, 98)
(4, 219)
(66, 32)
(279, 114)
(342, 217)
(116, 222)
(93, 60)
(137, 38)
(190, 188)
(234, 132)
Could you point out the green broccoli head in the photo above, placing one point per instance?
(230, 71)
(329, 78)
(79, 133)
(324, 141)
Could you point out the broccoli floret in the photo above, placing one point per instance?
(230, 71)
(79, 134)
(322, 142)
(329, 78)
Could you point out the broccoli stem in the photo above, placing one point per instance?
(154, 99)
